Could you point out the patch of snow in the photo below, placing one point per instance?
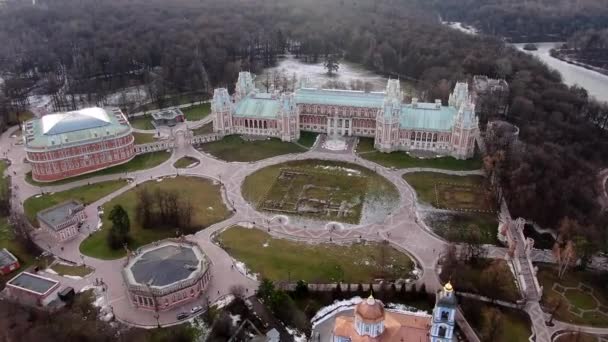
(241, 267)
(405, 309)
(265, 244)
(72, 277)
(51, 271)
(297, 336)
(224, 301)
(210, 208)
(159, 180)
(235, 319)
(339, 168)
(192, 165)
(366, 263)
(338, 306)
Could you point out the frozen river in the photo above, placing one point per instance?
(595, 83)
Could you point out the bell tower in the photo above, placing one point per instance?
(442, 326)
(221, 109)
(387, 119)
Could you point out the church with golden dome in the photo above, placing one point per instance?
(372, 323)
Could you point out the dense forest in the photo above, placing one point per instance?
(527, 20)
(91, 48)
(589, 47)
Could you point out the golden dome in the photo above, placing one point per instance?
(370, 310)
(448, 287)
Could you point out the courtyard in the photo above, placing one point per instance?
(235, 148)
(580, 296)
(284, 260)
(203, 194)
(322, 190)
(457, 193)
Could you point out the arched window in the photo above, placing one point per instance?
(442, 331)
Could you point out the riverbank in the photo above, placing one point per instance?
(562, 55)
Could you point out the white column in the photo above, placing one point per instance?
(329, 126)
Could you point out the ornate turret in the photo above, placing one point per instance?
(460, 95)
(387, 119)
(244, 86)
(221, 109)
(465, 130)
(290, 119)
(442, 329)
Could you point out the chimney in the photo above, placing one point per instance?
(437, 104)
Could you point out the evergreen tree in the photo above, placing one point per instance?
(331, 64)
(119, 232)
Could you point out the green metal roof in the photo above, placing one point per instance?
(426, 116)
(76, 127)
(339, 97)
(260, 106)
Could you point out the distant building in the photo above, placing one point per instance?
(491, 95)
(63, 220)
(166, 274)
(63, 145)
(32, 289)
(168, 117)
(396, 126)
(8, 262)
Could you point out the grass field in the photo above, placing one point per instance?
(577, 337)
(140, 162)
(451, 192)
(281, 260)
(577, 298)
(513, 325)
(320, 189)
(402, 160)
(85, 194)
(204, 195)
(307, 139)
(234, 148)
(142, 122)
(454, 226)
(143, 138)
(470, 278)
(197, 112)
(76, 270)
(204, 129)
(184, 162)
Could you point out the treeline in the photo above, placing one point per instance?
(527, 20)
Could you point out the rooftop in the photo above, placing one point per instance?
(83, 125)
(6, 258)
(338, 97)
(59, 213)
(427, 116)
(398, 326)
(167, 114)
(33, 283)
(259, 105)
(165, 264)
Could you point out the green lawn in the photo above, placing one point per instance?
(281, 260)
(76, 270)
(142, 122)
(204, 129)
(234, 148)
(143, 138)
(454, 226)
(204, 195)
(184, 162)
(577, 337)
(508, 325)
(307, 139)
(402, 160)
(85, 194)
(197, 112)
(451, 192)
(321, 188)
(475, 278)
(547, 276)
(140, 162)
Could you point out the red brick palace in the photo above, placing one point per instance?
(64, 145)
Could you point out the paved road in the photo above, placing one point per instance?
(403, 228)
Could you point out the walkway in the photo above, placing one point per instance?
(403, 228)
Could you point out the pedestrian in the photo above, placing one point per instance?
(218, 292)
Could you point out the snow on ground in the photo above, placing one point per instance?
(338, 168)
(330, 310)
(236, 319)
(297, 336)
(265, 244)
(241, 267)
(50, 270)
(72, 277)
(405, 309)
(224, 301)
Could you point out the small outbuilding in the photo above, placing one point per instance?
(32, 289)
(63, 220)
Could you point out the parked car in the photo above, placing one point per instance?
(196, 309)
(182, 315)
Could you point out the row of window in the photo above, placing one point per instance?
(365, 112)
(75, 164)
(78, 150)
